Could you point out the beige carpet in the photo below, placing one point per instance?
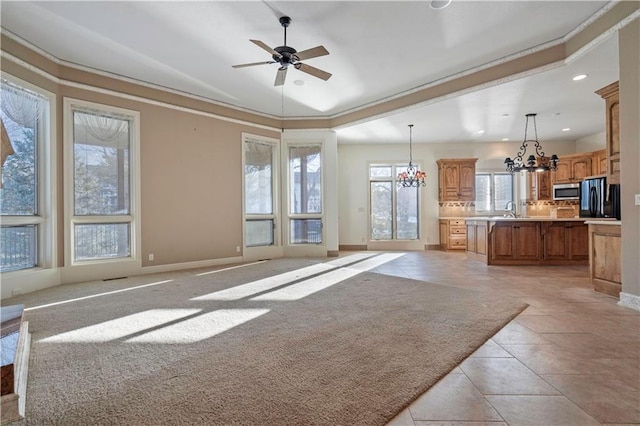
(355, 353)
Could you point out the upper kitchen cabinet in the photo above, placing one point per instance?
(572, 168)
(539, 186)
(612, 102)
(599, 162)
(457, 179)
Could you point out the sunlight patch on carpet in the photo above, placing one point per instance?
(121, 327)
(199, 328)
(108, 293)
(249, 289)
(313, 285)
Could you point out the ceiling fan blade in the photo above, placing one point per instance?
(312, 53)
(280, 76)
(252, 64)
(313, 71)
(264, 46)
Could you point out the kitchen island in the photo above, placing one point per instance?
(528, 241)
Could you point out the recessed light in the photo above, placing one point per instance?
(480, 132)
(505, 139)
(439, 4)
(566, 129)
(298, 82)
(579, 77)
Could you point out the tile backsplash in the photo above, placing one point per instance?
(548, 208)
(527, 208)
(456, 208)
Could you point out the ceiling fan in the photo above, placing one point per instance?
(287, 55)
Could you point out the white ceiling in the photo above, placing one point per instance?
(377, 50)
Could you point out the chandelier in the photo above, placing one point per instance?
(412, 177)
(531, 165)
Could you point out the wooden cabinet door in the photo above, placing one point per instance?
(578, 241)
(481, 239)
(467, 181)
(502, 242)
(602, 165)
(555, 241)
(450, 182)
(544, 188)
(580, 168)
(471, 237)
(563, 172)
(526, 236)
(611, 96)
(444, 233)
(613, 142)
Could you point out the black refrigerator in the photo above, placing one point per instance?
(593, 193)
(597, 199)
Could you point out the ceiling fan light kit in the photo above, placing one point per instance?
(287, 55)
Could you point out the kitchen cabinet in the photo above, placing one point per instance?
(477, 239)
(599, 162)
(457, 179)
(515, 242)
(572, 168)
(604, 258)
(540, 188)
(453, 234)
(565, 241)
(528, 241)
(611, 96)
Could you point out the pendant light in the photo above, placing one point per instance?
(412, 177)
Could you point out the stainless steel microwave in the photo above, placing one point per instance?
(566, 191)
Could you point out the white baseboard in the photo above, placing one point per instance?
(631, 301)
(190, 265)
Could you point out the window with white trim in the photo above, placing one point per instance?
(493, 191)
(260, 173)
(305, 194)
(101, 150)
(393, 208)
(25, 201)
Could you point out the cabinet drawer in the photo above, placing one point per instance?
(458, 242)
(457, 230)
(453, 222)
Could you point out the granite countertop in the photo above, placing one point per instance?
(603, 222)
(528, 219)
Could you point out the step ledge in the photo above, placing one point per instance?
(14, 404)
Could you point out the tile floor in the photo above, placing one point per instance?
(571, 358)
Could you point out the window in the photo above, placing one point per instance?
(393, 208)
(305, 194)
(102, 215)
(493, 191)
(25, 203)
(259, 192)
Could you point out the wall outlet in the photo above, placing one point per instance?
(16, 291)
(237, 249)
(151, 257)
(637, 199)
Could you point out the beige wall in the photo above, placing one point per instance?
(629, 46)
(191, 176)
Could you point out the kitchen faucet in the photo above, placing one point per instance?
(510, 207)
